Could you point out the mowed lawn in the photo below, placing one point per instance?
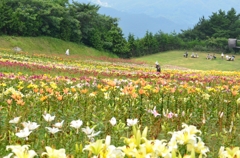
(175, 58)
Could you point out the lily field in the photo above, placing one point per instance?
(101, 107)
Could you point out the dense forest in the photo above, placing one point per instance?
(81, 23)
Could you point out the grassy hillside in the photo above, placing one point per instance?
(48, 45)
(175, 58)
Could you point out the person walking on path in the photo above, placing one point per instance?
(158, 67)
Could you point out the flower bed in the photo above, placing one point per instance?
(50, 103)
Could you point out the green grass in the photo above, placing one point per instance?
(48, 45)
(175, 58)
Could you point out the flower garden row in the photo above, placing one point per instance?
(102, 100)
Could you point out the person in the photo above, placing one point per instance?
(196, 55)
(192, 56)
(222, 55)
(158, 67)
(230, 58)
(227, 57)
(67, 52)
(185, 54)
(208, 56)
(214, 57)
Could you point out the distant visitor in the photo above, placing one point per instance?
(194, 55)
(158, 67)
(230, 58)
(185, 54)
(67, 52)
(211, 56)
(222, 55)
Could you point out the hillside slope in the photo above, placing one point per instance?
(48, 45)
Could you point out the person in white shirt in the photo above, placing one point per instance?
(67, 52)
(222, 55)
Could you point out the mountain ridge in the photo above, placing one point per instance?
(183, 14)
(139, 24)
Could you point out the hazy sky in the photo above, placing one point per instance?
(101, 3)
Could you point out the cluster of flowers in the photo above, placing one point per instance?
(139, 146)
(23, 152)
(30, 126)
(183, 144)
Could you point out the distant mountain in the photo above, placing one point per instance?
(175, 10)
(171, 14)
(139, 24)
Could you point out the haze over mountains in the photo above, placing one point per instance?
(139, 16)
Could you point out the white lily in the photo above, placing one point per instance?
(113, 121)
(59, 124)
(24, 133)
(15, 120)
(90, 136)
(132, 122)
(87, 130)
(76, 124)
(30, 125)
(48, 117)
(90, 132)
(52, 130)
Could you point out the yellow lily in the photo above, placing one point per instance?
(233, 152)
(99, 148)
(21, 151)
(54, 153)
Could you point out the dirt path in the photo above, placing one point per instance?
(174, 67)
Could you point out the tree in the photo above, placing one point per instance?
(10, 23)
(119, 44)
(150, 43)
(96, 40)
(5, 16)
(162, 39)
(234, 23)
(132, 45)
(202, 29)
(217, 44)
(219, 24)
(87, 16)
(33, 18)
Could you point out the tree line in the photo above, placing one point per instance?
(81, 23)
